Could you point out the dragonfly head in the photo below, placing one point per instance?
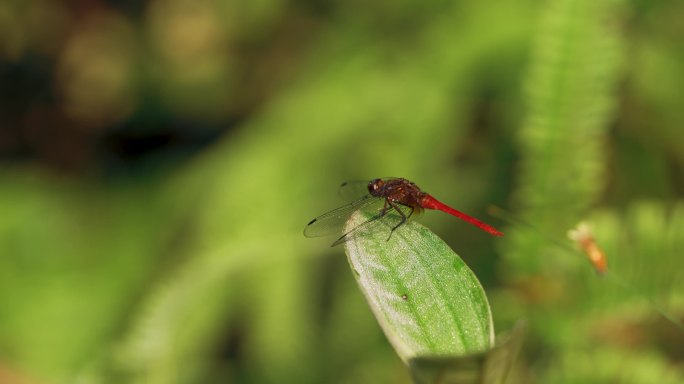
(374, 185)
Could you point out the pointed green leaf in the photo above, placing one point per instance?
(427, 301)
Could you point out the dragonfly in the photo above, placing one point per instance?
(389, 202)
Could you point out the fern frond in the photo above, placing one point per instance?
(571, 97)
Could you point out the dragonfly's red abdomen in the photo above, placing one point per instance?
(429, 202)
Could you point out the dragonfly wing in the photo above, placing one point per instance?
(352, 190)
(333, 222)
(380, 221)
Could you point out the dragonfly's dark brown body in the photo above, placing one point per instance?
(398, 191)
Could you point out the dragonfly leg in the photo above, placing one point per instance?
(345, 237)
(403, 217)
(385, 208)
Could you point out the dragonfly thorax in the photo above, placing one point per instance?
(399, 191)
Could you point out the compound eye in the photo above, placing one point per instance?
(374, 185)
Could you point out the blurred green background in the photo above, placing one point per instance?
(160, 158)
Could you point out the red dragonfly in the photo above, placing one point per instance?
(380, 197)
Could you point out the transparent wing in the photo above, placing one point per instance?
(352, 190)
(382, 220)
(333, 222)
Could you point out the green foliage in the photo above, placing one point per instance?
(199, 273)
(572, 94)
(571, 87)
